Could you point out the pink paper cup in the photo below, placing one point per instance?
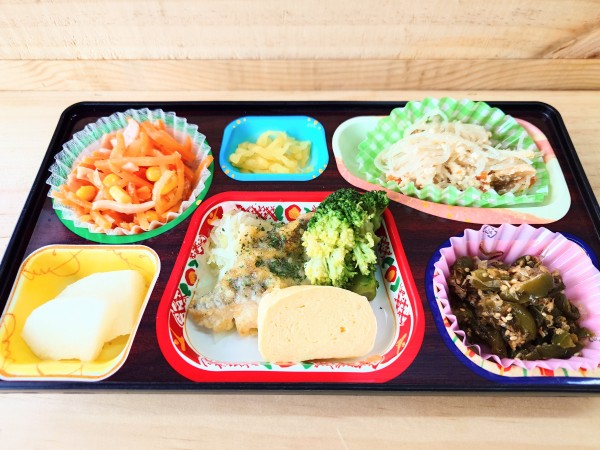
(580, 276)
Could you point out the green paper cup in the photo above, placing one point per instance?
(88, 140)
(504, 129)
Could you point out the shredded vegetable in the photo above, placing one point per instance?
(138, 176)
(437, 151)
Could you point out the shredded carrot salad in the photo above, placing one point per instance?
(137, 176)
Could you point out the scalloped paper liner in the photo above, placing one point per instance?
(505, 131)
(580, 276)
(88, 140)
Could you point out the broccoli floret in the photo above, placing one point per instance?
(340, 238)
(364, 285)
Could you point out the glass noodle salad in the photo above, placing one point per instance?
(435, 150)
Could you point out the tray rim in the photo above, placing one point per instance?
(15, 249)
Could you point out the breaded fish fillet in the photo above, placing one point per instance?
(266, 258)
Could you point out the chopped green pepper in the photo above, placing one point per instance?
(518, 310)
(524, 321)
(538, 286)
(483, 279)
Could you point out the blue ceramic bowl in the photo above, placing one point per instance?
(249, 128)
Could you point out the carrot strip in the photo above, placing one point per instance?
(101, 153)
(157, 189)
(166, 142)
(119, 149)
(114, 167)
(81, 172)
(203, 164)
(140, 216)
(132, 178)
(100, 220)
(143, 161)
(105, 142)
(177, 197)
(135, 148)
(188, 172)
(115, 216)
(145, 147)
(131, 191)
(88, 162)
(96, 180)
(180, 178)
(73, 183)
(141, 172)
(187, 188)
(144, 193)
(187, 156)
(103, 166)
(71, 197)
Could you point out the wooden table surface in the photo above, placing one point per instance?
(235, 420)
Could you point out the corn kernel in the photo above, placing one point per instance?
(169, 185)
(153, 173)
(119, 194)
(86, 193)
(110, 180)
(151, 215)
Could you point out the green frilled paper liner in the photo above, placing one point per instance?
(86, 141)
(505, 131)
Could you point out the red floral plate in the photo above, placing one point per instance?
(204, 356)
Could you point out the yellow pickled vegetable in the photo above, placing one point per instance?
(273, 152)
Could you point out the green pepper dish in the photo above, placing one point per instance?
(518, 311)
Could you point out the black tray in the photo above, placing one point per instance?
(435, 368)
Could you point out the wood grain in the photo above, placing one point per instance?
(228, 421)
(146, 75)
(289, 45)
(585, 45)
(288, 29)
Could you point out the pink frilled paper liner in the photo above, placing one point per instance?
(580, 276)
